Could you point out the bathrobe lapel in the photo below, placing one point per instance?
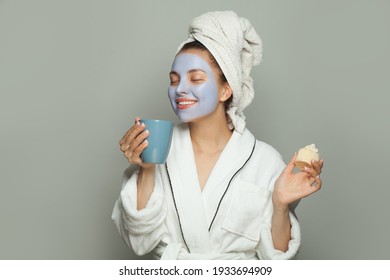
(196, 209)
(186, 191)
(232, 159)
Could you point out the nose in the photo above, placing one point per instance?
(182, 88)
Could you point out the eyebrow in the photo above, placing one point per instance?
(191, 71)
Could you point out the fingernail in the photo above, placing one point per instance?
(306, 168)
(146, 131)
(318, 176)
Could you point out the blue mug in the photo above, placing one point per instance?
(159, 141)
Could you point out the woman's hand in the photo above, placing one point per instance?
(134, 142)
(290, 187)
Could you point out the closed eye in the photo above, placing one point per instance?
(197, 80)
(198, 77)
(174, 77)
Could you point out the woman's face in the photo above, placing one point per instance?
(194, 90)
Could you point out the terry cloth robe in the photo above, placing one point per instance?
(229, 219)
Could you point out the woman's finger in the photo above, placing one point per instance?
(312, 181)
(316, 166)
(125, 136)
(128, 154)
(123, 139)
(135, 156)
(291, 165)
(138, 140)
(137, 152)
(311, 171)
(314, 186)
(318, 184)
(321, 163)
(135, 131)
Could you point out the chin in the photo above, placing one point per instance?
(192, 120)
(185, 119)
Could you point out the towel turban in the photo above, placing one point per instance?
(236, 47)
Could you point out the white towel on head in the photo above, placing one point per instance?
(236, 47)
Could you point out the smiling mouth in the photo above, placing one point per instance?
(185, 103)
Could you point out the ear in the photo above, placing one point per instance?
(226, 92)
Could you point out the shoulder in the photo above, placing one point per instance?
(265, 165)
(267, 151)
(268, 158)
(264, 150)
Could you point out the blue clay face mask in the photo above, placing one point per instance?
(193, 91)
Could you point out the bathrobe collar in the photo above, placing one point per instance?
(190, 201)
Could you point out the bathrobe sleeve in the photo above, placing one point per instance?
(265, 249)
(141, 230)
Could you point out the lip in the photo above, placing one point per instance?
(185, 103)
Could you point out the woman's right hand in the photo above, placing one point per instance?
(134, 142)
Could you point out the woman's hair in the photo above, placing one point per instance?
(196, 45)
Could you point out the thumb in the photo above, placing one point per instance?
(291, 165)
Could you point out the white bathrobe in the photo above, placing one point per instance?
(229, 219)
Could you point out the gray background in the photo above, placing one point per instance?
(74, 74)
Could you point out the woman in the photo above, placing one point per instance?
(222, 194)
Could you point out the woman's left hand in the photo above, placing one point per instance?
(290, 187)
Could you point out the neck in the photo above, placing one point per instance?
(210, 133)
